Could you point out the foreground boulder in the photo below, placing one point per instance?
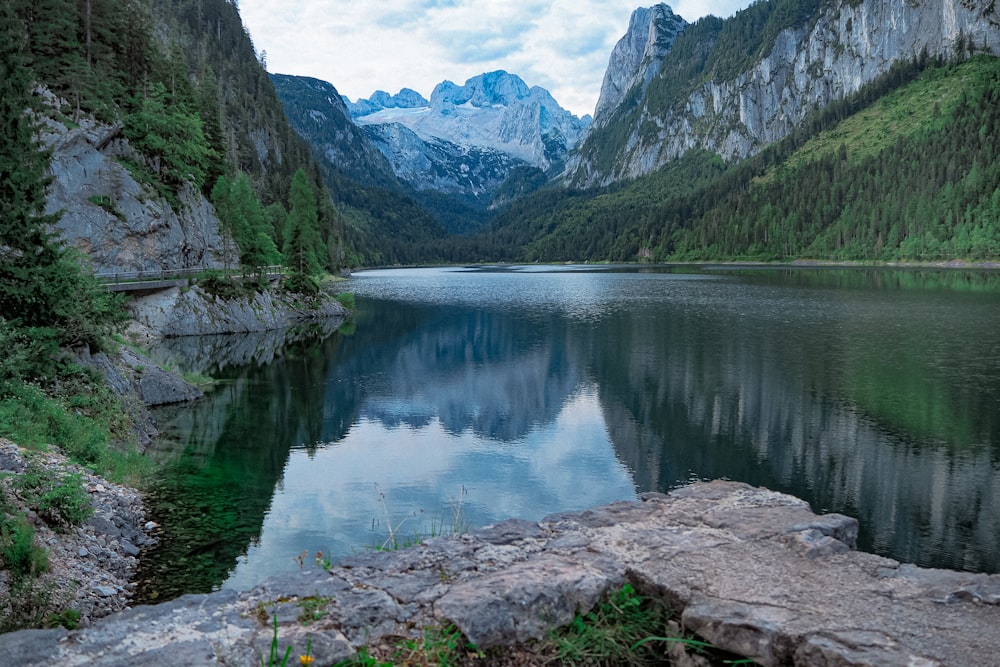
(752, 571)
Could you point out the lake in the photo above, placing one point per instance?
(458, 397)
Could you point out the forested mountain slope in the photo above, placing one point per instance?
(174, 92)
(384, 224)
(735, 86)
(905, 169)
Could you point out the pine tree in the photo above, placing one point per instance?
(241, 216)
(302, 238)
(42, 286)
(170, 137)
(25, 240)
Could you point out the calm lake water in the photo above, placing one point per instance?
(473, 395)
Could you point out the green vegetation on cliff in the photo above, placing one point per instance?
(183, 81)
(904, 170)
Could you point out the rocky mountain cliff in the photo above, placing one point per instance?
(491, 114)
(118, 223)
(451, 153)
(319, 115)
(471, 173)
(637, 56)
(733, 92)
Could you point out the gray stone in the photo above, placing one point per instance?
(155, 385)
(103, 526)
(524, 601)
(783, 588)
(129, 548)
(509, 531)
(195, 312)
(136, 230)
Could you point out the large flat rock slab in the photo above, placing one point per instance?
(750, 570)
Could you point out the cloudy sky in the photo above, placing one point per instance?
(361, 46)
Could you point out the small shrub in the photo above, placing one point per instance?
(18, 552)
(60, 500)
(105, 202)
(67, 618)
(611, 632)
(440, 645)
(301, 284)
(220, 284)
(346, 300)
(67, 503)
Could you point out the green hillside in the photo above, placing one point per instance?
(905, 169)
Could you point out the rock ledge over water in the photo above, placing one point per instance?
(753, 571)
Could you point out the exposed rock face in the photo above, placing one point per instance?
(637, 56)
(194, 312)
(318, 113)
(496, 110)
(407, 98)
(750, 570)
(434, 164)
(115, 221)
(850, 44)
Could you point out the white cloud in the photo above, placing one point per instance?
(361, 46)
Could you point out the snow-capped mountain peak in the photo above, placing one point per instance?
(496, 110)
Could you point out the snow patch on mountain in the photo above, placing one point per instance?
(495, 111)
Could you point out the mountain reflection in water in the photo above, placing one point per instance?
(524, 391)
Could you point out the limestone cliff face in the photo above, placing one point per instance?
(119, 224)
(849, 44)
(637, 56)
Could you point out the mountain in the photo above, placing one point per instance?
(900, 170)
(637, 56)
(319, 115)
(450, 155)
(470, 173)
(492, 124)
(385, 212)
(734, 87)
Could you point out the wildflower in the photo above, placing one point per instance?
(305, 660)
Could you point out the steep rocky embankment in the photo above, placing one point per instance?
(192, 311)
(117, 222)
(752, 571)
(90, 566)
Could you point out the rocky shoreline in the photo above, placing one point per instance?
(193, 311)
(752, 571)
(90, 566)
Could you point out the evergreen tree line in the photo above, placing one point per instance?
(929, 193)
(183, 79)
(46, 301)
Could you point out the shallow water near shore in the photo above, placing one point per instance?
(460, 397)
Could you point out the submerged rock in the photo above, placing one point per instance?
(750, 570)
